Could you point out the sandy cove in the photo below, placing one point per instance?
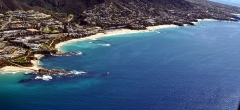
(14, 69)
(124, 31)
(114, 32)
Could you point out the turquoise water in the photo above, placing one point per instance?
(195, 67)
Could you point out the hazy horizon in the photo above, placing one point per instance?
(230, 2)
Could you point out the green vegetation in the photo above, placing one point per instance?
(21, 60)
(71, 15)
(89, 29)
(47, 31)
(54, 32)
(45, 45)
(50, 31)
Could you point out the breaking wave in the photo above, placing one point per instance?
(49, 77)
(105, 45)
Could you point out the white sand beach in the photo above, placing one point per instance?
(207, 20)
(114, 32)
(14, 69)
(125, 31)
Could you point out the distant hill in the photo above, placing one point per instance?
(223, 7)
(229, 2)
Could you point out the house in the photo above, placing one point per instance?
(34, 46)
(32, 40)
(9, 49)
(9, 12)
(33, 31)
(31, 12)
(31, 16)
(17, 13)
(21, 51)
(7, 56)
(1, 15)
(2, 45)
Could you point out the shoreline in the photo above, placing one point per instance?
(36, 67)
(125, 31)
(14, 69)
(113, 33)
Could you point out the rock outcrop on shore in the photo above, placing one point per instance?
(54, 71)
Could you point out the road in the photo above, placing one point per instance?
(9, 21)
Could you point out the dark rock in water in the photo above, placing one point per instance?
(43, 60)
(91, 72)
(56, 74)
(195, 20)
(192, 24)
(29, 73)
(178, 23)
(51, 72)
(236, 17)
(105, 74)
(76, 53)
(24, 80)
(68, 54)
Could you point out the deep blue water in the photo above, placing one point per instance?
(195, 68)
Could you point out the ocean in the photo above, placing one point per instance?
(187, 68)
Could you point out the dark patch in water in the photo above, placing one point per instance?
(62, 77)
(105, 74)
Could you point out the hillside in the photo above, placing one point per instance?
(147, 7)
(12, 5)
(66, 6)
(76, 7)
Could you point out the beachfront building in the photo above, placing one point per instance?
(33, 31)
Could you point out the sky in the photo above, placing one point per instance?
(230, 2)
